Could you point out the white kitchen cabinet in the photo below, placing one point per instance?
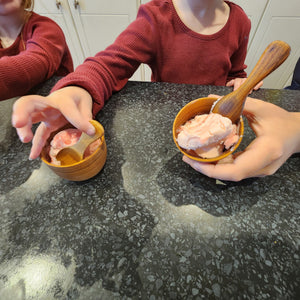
(59, 11)
(273, 20)
(99, 22)
(280, 21)
(254, 10)
(89, 25)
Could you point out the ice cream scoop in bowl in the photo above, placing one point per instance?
(229, 106)
(73, 168)
(201, 107)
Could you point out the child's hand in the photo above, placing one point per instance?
(70, 104)
(277, 138)
(237, 82)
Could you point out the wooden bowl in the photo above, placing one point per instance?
(83, 170)
(189, 111)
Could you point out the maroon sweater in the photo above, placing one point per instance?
(174, 53)
(39, 52)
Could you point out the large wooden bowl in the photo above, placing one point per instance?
(189, 111)
(83, 170)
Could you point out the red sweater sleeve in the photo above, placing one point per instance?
(46, 53)
(108, 71)
(241, 28)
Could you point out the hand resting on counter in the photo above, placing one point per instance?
(237, 82)
(68, 105)
(277, 138)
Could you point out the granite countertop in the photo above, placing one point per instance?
(147, 226)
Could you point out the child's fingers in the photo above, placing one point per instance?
(230, 82)
(40, 137)
(25, 107)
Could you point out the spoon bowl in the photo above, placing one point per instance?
(74, 153)
(231, 105)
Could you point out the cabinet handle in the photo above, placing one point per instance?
(76, 4)
(58, 4)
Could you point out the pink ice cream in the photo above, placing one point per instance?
(67, 138)
(208, 135)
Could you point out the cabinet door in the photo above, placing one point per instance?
(254, 10)
(99, 22)
(280, 21)
(59, 11)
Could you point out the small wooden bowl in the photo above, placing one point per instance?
(83, 170)
(189, 111)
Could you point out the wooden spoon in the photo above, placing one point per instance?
(74, 154)
(232, 105)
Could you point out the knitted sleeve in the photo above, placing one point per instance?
(22, 69)
(241, 28)
(109, 70)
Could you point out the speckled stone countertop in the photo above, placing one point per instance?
(147, 226)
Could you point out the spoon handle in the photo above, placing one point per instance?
(273, 56)
(85, 140)
(231, 105)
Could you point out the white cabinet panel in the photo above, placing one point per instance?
(59, 12)
(280, 21)
(254, 10)
(89, 25)
(100, 22)
(95, 34)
